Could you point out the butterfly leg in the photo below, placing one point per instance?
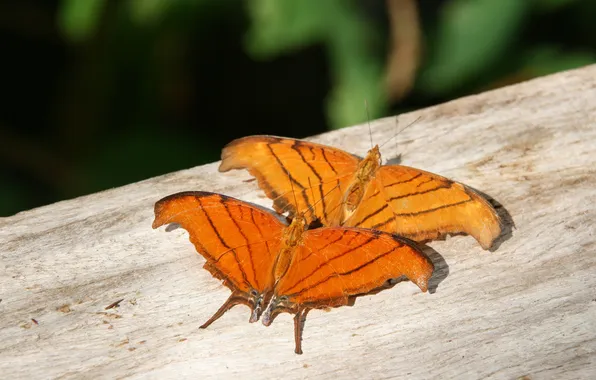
(233, 300)
(299, 320)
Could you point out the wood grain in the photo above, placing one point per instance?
(527, 308)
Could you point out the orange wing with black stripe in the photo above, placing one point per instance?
(410, 202)
(238, 241)
(424, 206)
(337, 263)
(334, 265)
(284, 268)
(299, 176)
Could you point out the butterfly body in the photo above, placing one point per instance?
(339, 189)
(365, 173)
(292, 238)
(273, 268)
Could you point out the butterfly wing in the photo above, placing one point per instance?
(238, 241)
(299, 176)
(425, 206)
(335, 263)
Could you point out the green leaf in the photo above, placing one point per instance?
(280, 25)
(78, 19)
(346, 103)
(360, 73)
(472, 35)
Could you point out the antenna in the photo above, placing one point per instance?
(368, 119)
(400, 131)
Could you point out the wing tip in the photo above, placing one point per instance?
(228, 161)
(422, 267)
(426, 272)
(492, 226)
(487, 238)
(160, 206)
(423, 279)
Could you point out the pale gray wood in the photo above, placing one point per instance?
(528, 308)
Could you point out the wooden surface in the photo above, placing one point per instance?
(527, 308)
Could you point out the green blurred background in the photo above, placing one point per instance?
(102, 93)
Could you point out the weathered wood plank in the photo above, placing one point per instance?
(528, 308)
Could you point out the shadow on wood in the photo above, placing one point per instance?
(441, 268)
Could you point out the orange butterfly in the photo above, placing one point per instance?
(339, 189)
(274, 268)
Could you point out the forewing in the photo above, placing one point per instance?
(424, 206)
(299, 176)
(238, 240)
(336, 263)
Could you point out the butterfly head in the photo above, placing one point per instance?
(293, 233)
